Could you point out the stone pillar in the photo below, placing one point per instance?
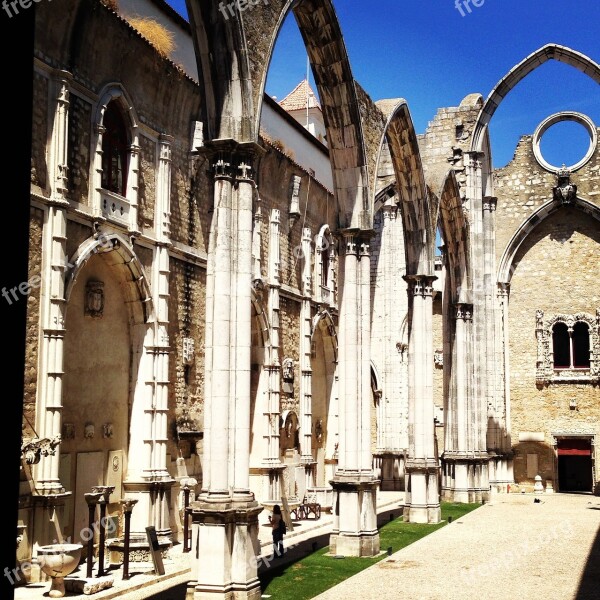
(389, 311)
(461, 456)
(225, 516)
(272, 416)
(305, 361)
(148, 480)
(355, 518)
(52, 298)
(422, 467)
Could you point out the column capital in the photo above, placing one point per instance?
(420, 285)
(503, 289)
(355, 241)
(233, 160)
(490, 203)
(463, 312)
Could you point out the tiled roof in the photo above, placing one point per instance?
(296, 99)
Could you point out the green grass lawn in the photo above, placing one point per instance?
(316, 573)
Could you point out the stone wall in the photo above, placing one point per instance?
(39, 132)
(32, 326)
(146, 184)
(80, 126)
(523, 186)
(557, 271)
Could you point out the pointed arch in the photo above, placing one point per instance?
(264, 329)
(417, 218)
(505, 270)
(556, 52)
(120, 256)
(324, 321)
(233, 57)
(455, 232)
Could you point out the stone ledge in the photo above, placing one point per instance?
(77, 585)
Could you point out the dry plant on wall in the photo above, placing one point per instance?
(112, 4)
(158, 35)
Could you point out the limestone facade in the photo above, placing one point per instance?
(228, 320)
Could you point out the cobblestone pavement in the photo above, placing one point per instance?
(508, 548)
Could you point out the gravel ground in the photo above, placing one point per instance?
(508, 548)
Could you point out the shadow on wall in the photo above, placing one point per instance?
(531, 459)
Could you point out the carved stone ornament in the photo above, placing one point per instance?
(438, 359)
(89, 431)
(319, 430)
(94, 299)
(288, 375)
(565, 192)
(545, 371)
(108, 430)
(188, 351)
(68, 431)
(32, 450)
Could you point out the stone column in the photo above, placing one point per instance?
(272, 460)
(355, 519)
(306, 424)
(225, 517)
(148, 480)
(422, 468)
(461, 434)
(52, 298)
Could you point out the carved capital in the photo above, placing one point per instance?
(463, 312)
(490, 203)
(420, 285)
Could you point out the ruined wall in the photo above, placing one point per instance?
(33, 315)
(523, 186)
(447, 138)
(557, 271)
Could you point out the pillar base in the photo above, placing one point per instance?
(153, 507)
(465, 477)
(355, 530)
(501, 474)
(423, 496)
(225, 538)
(389, 466)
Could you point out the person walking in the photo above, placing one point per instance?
(278, 529)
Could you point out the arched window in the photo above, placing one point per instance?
(325, 266)
(114, 151)
(561, 344)
(581, 346)
(571, 348)
(568, 348)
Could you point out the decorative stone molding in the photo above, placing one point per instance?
(89, 431)
(32, 450)
(68, 431)
(565, 192)
(288, 375)
(438, 359)
(188, 351)
(555, 436)
(545, 371)
(108, 431)
(94, 299)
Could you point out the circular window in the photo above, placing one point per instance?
(566, 132)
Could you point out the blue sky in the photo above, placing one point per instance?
(428, 53)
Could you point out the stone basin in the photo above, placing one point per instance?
(58, 561)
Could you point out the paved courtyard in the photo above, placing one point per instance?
(509, 548)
